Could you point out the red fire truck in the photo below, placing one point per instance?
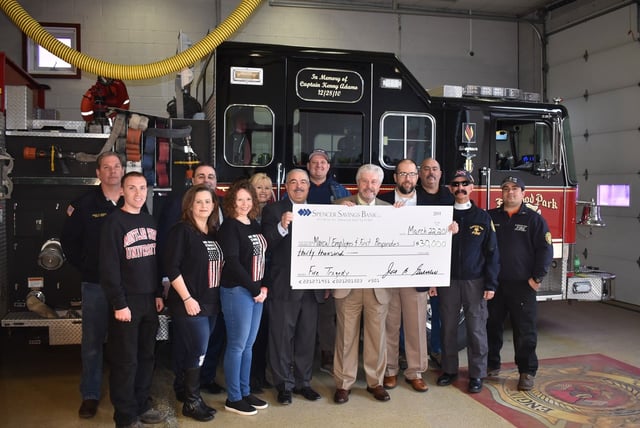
(275, 104)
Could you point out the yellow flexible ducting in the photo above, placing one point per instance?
(34, 30)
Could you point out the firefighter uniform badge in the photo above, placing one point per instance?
(547, 237)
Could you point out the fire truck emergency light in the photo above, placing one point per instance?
(390, 83)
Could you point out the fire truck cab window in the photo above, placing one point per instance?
(249, 135)
(337, 133)
(522, 145)
(405, 135)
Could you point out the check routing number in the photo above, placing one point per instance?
(337, 246)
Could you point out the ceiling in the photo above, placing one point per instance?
(554, 14)
(496, 9)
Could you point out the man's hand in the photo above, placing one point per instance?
(123, 315)
(533, 284)
(159, 304)
(286, 219)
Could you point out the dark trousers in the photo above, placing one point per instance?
(131, 350)
(259, 360)
(292, 338)
(214, 351)
(467, 294)
(518, 300)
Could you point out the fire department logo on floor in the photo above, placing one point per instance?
(587, 390)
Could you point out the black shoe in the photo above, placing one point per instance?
(475, 385)
(446, 379)
(212, 387)
(197, 410)
(307, 392)
(88, 409)
(284, 397)
(240, 407)
(256, 402)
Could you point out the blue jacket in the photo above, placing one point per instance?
(525, 243)
(474, 249)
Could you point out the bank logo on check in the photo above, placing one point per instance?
(305, 212)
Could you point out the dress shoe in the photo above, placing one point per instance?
(379, 393)
(446, 379)
(307, 392)
(390, 382)
(475, 385)
(88, 408)
(526, 382)
(418, 384)
(341, 396)
(284, 396)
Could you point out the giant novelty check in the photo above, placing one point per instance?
(337, 246)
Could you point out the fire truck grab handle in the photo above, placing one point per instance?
(486, 171)
(279, 179)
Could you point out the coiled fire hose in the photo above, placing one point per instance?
(184, 59)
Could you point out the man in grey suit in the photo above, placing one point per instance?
(351, 304)
(293, 314)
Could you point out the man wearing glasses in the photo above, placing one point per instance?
(474, 279)
(408, 306)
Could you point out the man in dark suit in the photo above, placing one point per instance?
(293, 314)
(351, 304)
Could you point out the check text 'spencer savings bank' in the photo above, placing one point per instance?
(275, 104)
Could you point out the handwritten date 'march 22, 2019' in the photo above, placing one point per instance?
(337, 246)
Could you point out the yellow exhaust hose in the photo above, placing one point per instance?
(34, 30)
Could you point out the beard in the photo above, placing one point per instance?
(407, 189)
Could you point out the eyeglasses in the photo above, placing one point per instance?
(407, 174)
(459, 183)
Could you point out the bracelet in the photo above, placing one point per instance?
(186, 299)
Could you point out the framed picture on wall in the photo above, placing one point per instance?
(39, 62)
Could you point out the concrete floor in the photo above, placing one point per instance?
(39, 384)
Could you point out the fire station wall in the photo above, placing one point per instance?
(435, 49)
(594, 67)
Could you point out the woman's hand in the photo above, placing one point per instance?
(260, 298)
(192, 306)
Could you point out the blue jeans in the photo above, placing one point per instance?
(242, 318)
(95, 321)
(191, 337)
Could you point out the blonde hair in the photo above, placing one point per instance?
(259, 177)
